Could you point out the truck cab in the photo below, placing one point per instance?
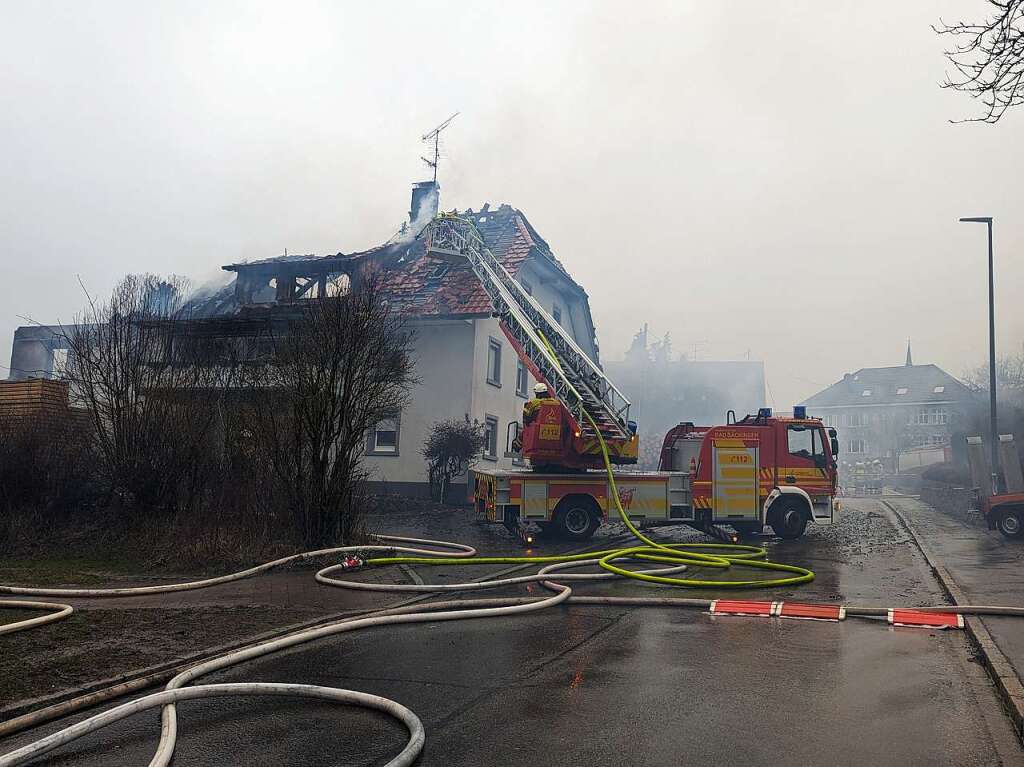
(762, 470)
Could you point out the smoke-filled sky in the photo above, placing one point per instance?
(776, 180)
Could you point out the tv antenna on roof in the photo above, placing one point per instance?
(435, 135)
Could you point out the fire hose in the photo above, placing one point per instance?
(676, 557)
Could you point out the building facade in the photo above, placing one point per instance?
(884, 413)
(465, 366)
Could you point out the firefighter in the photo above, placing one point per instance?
(540, 393)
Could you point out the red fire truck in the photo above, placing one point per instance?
(749, 473)
(761, 470)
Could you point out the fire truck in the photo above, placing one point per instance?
(761, 470)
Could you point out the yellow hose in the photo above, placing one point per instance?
(672, 553)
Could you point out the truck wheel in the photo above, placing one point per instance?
(1011, 523)
(576, 518)
(788, 518)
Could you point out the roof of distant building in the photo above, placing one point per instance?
(903, 384)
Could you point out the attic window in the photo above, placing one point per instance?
(902, 390)
(938, 389)
(867, 393)
(482, 219)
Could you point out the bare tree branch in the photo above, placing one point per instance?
(989, 59)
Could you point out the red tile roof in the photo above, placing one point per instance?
(425, 286)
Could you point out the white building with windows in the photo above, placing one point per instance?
(465, 365)
(881, 413)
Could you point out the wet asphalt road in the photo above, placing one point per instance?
(613, 686)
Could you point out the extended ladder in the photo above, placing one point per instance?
(577, 382)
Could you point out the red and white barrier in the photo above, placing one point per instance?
(925, 619)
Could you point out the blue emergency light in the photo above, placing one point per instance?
(799, 411)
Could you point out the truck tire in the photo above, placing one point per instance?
(1011, 522)
(788, 518)
(576, 518)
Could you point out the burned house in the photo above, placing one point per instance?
(465, 365)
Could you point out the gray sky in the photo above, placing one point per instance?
(777, 179)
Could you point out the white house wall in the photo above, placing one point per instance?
(443, 353)
(451, 363)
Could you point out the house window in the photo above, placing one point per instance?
(901, 391)
(522, 380)
(856, 446)
(939, 389)
(921, 417)
(938, 439)
(491, 438)
(526, 286)
(938, 415)
(383, 439)
(494, 362)
(857, 419)
(867, 393)
(556, 312)
(830, 420)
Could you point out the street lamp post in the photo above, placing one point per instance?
(994, 451)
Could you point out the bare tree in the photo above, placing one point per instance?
(341, 366)
(151, 396)
(451, 447)
(988, 57)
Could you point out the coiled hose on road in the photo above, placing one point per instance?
(677, 557)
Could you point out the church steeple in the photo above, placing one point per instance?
(910, 361)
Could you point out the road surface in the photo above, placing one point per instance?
(611, 686)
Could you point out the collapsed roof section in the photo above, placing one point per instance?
(418, 285)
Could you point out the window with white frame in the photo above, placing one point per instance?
(491, 438)
(866, 393)
(938, 389)
(938, 415)
(901, 391)
(921, 417)
(522, 379)
(856, 446)
(830, 420)
(494, 362)
(383, 439)
(857, 419)
(938, 439)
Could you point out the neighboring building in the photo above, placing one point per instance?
(881, 413)
(665, 391)
(465, 365)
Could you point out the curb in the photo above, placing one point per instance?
(1008, 684)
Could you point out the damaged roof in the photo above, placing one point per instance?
(419, 285)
